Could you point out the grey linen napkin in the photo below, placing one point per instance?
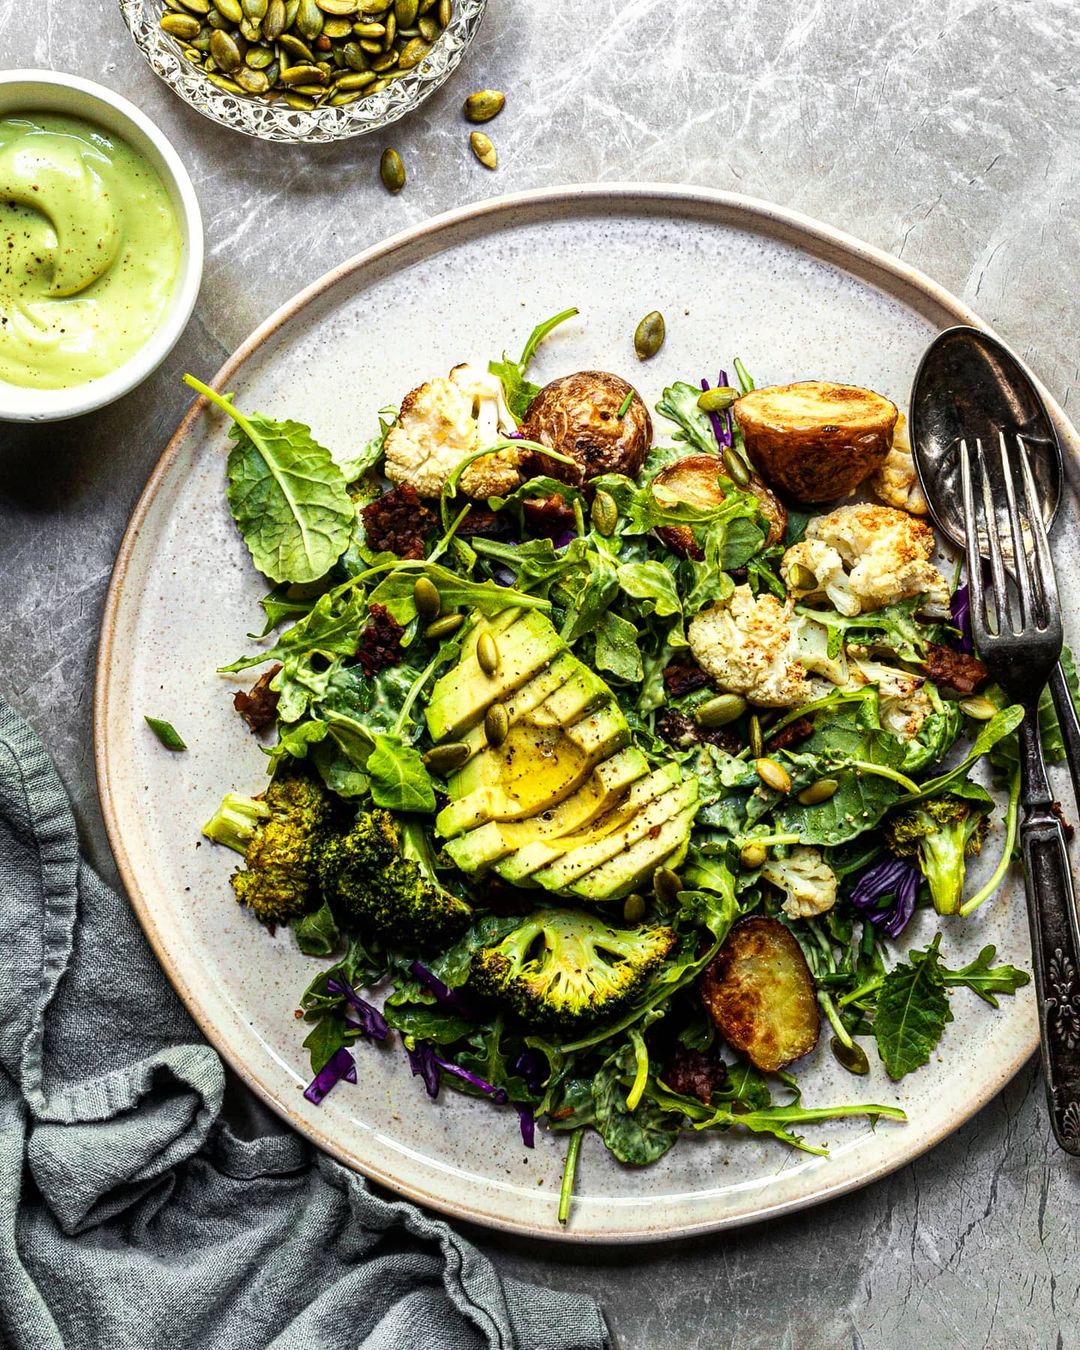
(130, 1214)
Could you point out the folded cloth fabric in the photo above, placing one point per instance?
(131, 1215)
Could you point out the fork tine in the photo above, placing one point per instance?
(977, 609)
(993, 540)
(1045, 577)
(1020, 561)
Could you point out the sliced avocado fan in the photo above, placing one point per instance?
(565, 801)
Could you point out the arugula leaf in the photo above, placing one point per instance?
(894, 627)
(317, 934)
(517, 391)
(396, 592)
(986, 980)
(355, 466)
(286, 494)
(399, 779)
(912, 1011)
(166, 733)
(640, 1136)
(1002, 724)
(617, 648)
(679, 404)
(775, 1120)
(651, 581)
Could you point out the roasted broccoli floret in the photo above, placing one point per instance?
(280, 835)
(940, 834)
(380, 878)
(564, 969)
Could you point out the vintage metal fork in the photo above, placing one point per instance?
(1018, 635)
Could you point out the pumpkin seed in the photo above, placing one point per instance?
(254, 10)
(484, 105)
(717, 400)
(443, 627)
(667, 884)
(752, 856)
(444, 759)
(274, 23)
(496, 724)
(852, 1057)
(344, 99)
(295, 47)
(385, 61)
(801, 578)
(354, 57)
(487, 654)
(649, 335)
(427, 599)
(218, 20)
(353, 81)
(604, 513)
(821, 791)
(391, 32)
(338, 7)
(773, 775)
(252, 81)
(370, 30)
(197, 6)
(633, 910)
(428, 29)
(405, 11)
(980, 708)
(300, 75)
(300, 102)
(719, 711)
(483, 149)
(184, 26)
(309, 19)
(202, 42)
(392, 173)
(250, 32)
(229, 9)
(757, 744)
(259, 58)
(335, 29)
(223, 82)
(737, 468)
(315, 91)
(225, 52)
(412, 54)
(292, 8)
(371, 45)
(446, 11)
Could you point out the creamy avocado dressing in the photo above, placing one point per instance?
(89, 251)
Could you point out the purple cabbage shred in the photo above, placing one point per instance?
(960, 610)
(370, 1020)
(444, 995)
(532, 1067)
(729, 422)
(895, 879)
(340, 1065)
(426, 1061)
(527, 1121)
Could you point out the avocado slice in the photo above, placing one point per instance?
(654, 815)
(625, 873)
(607, 785)
(520, 865)
(524, 700)
(533, 770)
(462, 696)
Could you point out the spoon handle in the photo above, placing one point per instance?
(1069, 723)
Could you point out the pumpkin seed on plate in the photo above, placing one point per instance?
(352, 81)
(444, 759)
(300, 102)
(309, 19)
(412, 54)
(197, 6)
(299, 75)
(336, 29)
(633, 910)
(253, 81)
(223, 82)
(852, 1057)
(484, 104)
(426, 598)
(483, 149)
(428, 29)
(295, 47)
(384, 62)
(259, 58)
(229, 9)
(717, 400)
(667, 884)
(446, 10)
(649, 335)
(338, 7)
(273, 24)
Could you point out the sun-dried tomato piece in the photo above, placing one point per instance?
(398, 522)
(683, 677)
(484, 522)
(793, 734)
(696, 1073)
(680, 731)
(258, 705)
(380, 642)
(548, 516)
(959, 671)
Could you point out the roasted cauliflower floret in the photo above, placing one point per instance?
(806, 878)
(813, 571)
(444, 421)
(896, 482)
(749, 645)
(886, 553)
(903, 703)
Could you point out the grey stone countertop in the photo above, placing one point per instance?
(947, 131)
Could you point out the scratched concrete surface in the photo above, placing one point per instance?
(947, 131)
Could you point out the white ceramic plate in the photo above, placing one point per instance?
(733, 277)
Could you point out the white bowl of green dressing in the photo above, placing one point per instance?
(101, 246)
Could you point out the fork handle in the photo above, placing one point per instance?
(1055, 938)
(1069, 723)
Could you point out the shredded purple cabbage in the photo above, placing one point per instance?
(527, 1121)
(561, 540)
(893, 877)
(532, 1066)
(426, 1061)
(721, 425)
(960, 610)
(444, 995)
(370, 1021)
(729, 422)
(340, 1065)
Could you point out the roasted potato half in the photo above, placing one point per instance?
(814, 440)
(694, 479)
(578, 415)
(760, 993)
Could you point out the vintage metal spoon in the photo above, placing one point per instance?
(970, 385)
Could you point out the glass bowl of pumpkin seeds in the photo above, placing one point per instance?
(303, 70)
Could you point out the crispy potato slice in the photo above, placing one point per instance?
(578, 416)
(760, 993)
(694, 479)
(815, 440)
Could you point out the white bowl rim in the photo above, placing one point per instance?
(51, 405)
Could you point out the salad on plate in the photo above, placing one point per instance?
(610, 758)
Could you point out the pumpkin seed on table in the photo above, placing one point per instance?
(392, 171)
(484, 105)
(649, 335)
(483, 149)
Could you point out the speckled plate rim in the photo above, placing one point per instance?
(821, 241)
